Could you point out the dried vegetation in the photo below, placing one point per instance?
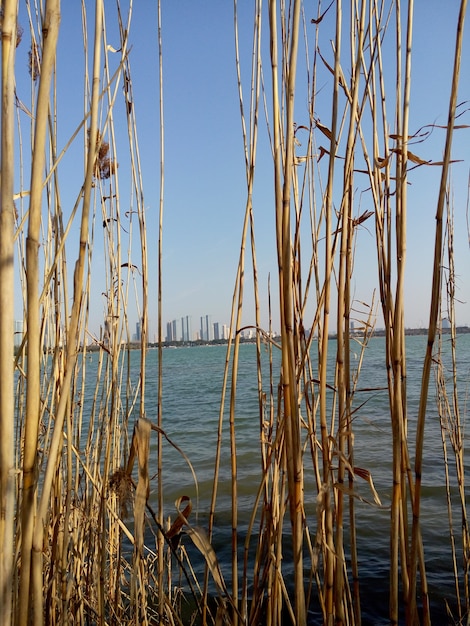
(81, 541)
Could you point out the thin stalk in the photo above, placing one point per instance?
(293, 448)
(343, 319)
(160, 540)
(456, 431)
(72, 334)
(7, 217)
(399, 513)
(435, 295)
(250, 146)
(50, 36)
(323, 363)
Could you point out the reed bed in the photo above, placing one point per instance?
(81, 541)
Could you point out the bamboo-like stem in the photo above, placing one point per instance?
(289, 379)
(250, 144)
(50, 35)
(345, 269)
(398, 514)
(72, 334)
(277, 138)
(456, 430)
(7, 216)
(435, 297)
(160, 541)
(451, 429)
(323, 372)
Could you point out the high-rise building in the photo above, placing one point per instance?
(201, 330)
(186, 328)
(174, 330)
(205, 334)
(138, 331)
(19, 330)
(169, 333)
(180, 330)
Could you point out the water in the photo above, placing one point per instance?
(192, 383)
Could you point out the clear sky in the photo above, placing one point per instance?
(205, 187)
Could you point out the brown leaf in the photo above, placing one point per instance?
(141, 444)
(323, 151)
(367, 476)
(383, 162)
(179, 521)
(362, 218)
(326, 131)
(201, 541)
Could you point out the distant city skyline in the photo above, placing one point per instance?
(181, 329)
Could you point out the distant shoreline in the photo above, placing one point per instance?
(459, 330)
(379, 332)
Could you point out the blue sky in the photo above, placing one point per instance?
(205, 188)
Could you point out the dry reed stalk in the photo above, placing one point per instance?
(435, 301)
(398, 414)
(291, 416)
(452, 435)
(7, 217)
(450, 416)
(329, 551)
(70, 359)
(63, 477)
(276, 505)
(250, 146)
(160, 570)
(455, 429)
(343, 308)
(29, 595)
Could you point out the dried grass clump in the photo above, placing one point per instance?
(104, 165)
(34, 61)
(121, 484)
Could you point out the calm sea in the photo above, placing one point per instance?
(192, 384)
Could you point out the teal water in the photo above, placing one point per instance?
(192, 384)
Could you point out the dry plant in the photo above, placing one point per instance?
(318, 218)
(79, 539)
(66, 494)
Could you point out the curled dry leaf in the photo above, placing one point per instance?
(367, 476)
(201, 541)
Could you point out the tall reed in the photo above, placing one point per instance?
(79, 489)
(8, 482)
(436, 297)
(350, 142)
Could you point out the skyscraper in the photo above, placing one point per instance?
(201, 332)
(169, 334)
(186, 328)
